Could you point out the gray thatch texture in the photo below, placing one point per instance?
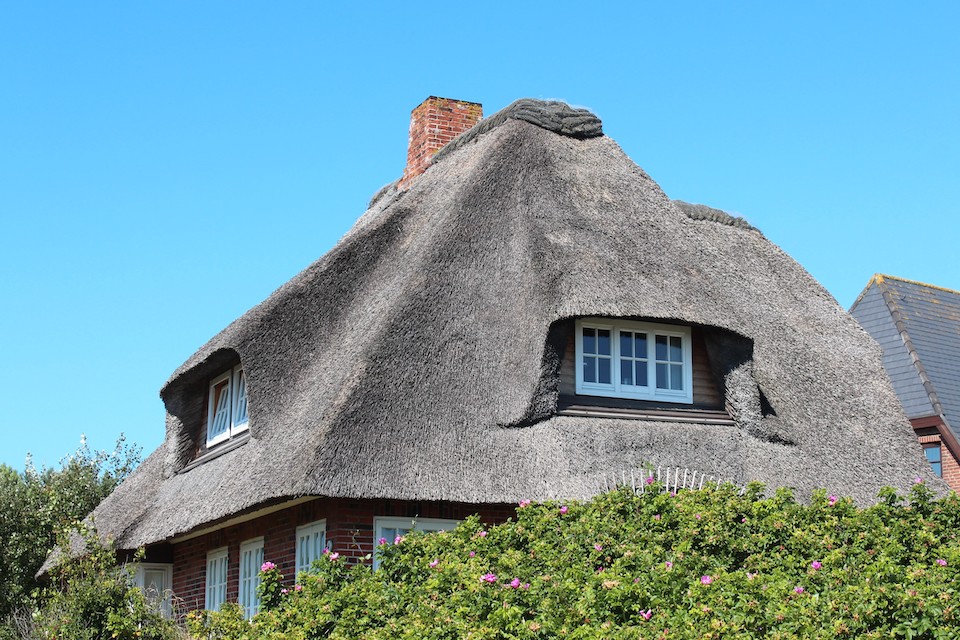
(408, 361)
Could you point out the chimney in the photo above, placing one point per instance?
(433, 124)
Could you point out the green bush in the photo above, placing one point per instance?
(701, 564)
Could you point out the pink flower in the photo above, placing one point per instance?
(398, 540)
(743, 519)
(515, 583)
(298, 587)
(598, 547)
(706, 579)
(918, 480)
(489, 577)
(563, 510)
(941, 562)
(751, 576)
(382, 541)
(816, 565)
(697, 516)
(646, 615)
(668, 564)
(334, 557)
(525, 586)
(798, 589)
(482, 534)
(832, 500)
(284, 591)
(649, 480)
(326, 551)
(436, 561)
(267, 566)
(524, 503)
(472, 553)
(656, 516)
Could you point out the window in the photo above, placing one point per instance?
(388, 528)
(251, 558)
(155, 580)
(216, 579)
(311, 541)
(227, 409)
(933, 457)
(638, 360)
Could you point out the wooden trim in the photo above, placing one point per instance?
(946, 434)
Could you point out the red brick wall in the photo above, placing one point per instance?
(349, 532)
(949, 464)
(433, 124)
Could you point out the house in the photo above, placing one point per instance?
(524, 315)
(918, 328)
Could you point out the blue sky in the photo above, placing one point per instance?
(165, 166)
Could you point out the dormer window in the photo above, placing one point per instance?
(635, 360)
(227, 409)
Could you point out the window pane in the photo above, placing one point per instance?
(626, 344)
(676, 351)
(603, 365)
(589, 369)
(932, 453)
(589, 340)
(603, 341)
(640, 344)
(220, 421)
(676, 377)
(662, 375)
(626, 372)
(661, 350)
(641, 370)
(240, 406)
(937, 469)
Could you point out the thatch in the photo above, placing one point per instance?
(412, 361)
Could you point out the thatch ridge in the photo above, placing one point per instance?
(391, 366)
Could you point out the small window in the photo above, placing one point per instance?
(216, 587)
(227, 407)
(389, 528)
(251, 559)
(311, 541)
(638, 360)
(156, 581)
(933, 457)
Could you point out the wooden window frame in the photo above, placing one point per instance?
(650, 392)
(214, 603)
(249, 577)
(302, 562)
(235, 423)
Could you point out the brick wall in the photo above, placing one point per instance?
(349, 525)
(433, 124)
(949, 465)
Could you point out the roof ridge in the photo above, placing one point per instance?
(881, 277)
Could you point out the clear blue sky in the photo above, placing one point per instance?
(165, 166)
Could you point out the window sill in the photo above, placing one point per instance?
(218, 450)
(622, 409)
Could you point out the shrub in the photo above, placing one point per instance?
(701, 564)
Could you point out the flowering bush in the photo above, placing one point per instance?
(645, 566)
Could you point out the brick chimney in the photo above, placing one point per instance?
(433, 124)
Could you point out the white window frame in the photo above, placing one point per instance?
(163, 600)
(307, 550)
(250, 576)
(427, 525)
(218, 574)
(649, 392)
(239, 418)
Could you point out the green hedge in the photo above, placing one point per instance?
(701, 564)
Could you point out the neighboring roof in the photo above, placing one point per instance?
(412, 361)
(918, 326)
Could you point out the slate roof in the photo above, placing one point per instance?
(416, 359)
(918, 326)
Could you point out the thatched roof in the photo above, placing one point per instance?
(412, 361)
